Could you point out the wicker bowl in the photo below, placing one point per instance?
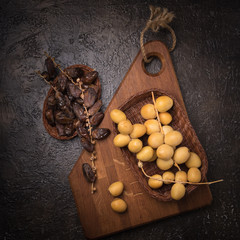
(52, 130)
(181, 123)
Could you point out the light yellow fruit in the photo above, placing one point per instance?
(194, 175)
(121, 140)
(155, 184)
(154, 157)
(173, 138)
(117, 115)
(165, 152)
(181, 176)
(135, 145)
(181, 155)
(163, 164)
(193, 161)
(168, 176)
(165, 118)
(138, 130)
(116, 188)
(155, 140)
(148, 111)
(164, 103)
(152, 126)
(119, 205)
(125, 127)
(167, 129)
(145, 154)
(178, 191)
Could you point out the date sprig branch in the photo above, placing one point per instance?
(140, 165)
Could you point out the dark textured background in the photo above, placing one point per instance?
(36, 200)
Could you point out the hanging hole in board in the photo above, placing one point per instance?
(155, 66)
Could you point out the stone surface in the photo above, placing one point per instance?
(36, 200)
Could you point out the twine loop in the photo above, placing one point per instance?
(160, 17)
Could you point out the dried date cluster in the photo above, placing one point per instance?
(72, 108)
(75, 106)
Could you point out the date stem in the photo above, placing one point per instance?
(154, 103)
(140, 165)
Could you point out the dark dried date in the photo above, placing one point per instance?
(74, 90)
(62, 83)
(74, 72)
(96, 119)
(60, 129)
(60, 99)
(100, 133)
(96, 88)
(68, 112)
(61, 118)
(95, 108)
(90, 77)
(88, 173)
(90, 97)
(50, 117)
(79, 112)
(69, 129)
(86, 144)
(79, 101)
(51, 102)
(67, 101)
(50, 68)
(82, 132)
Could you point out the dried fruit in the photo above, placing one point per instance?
(86, 144)
(79, 101)
(51, 102)
(60, 99)
(88, 173)
(95, 108)
(90, 77)
(61, 83)
(74, 90)
(90, 97)
(74, 72)
(60, 117)
(79, 112)
(50, 68)
(100, 133)
(83, 132)
(60, 129)
(50, 117)
(95, 87)
(96, 119)
(69, 129)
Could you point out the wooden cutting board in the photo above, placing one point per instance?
(96, 215)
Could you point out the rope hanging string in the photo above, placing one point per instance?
(158, 18)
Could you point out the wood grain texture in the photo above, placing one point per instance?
(95, 212)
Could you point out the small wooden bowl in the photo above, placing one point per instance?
(181, 123)
(52, 130)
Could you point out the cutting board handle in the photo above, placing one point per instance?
(150, 54)
(138, 78)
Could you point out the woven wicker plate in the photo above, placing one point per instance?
(52, 130)
(180, 122)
